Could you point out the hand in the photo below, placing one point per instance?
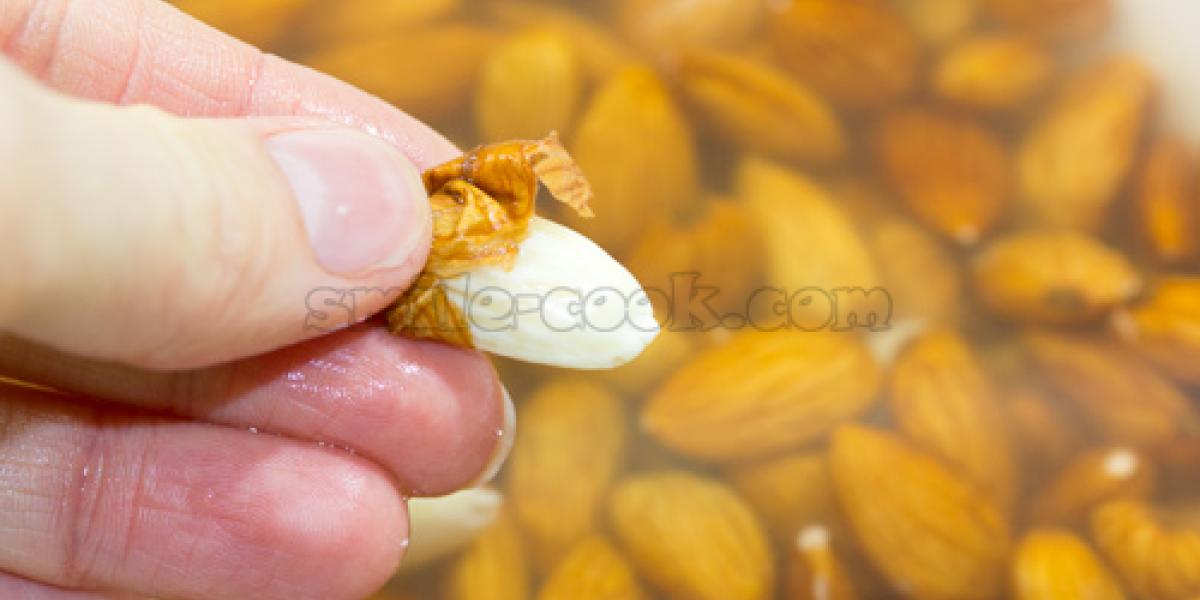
(157, 269)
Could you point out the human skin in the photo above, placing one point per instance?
(204, 443)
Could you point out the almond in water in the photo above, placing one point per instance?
(992, 72)
(1165, 327)
(528, 85)
(1167, 201)
(592, 569)
(789, 492)
(1052, 564)
(1156, 551)
(1091, 479)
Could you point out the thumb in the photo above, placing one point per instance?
(135, 236)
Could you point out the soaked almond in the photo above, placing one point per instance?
(992, 72)
(529, 85)
(1167, 201)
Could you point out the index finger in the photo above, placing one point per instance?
(147, 52)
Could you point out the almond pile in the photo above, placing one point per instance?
(930, 275)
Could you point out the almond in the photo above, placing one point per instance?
(762, 393)
(637, 150)
(1158, 560)
(572, 440)
(493, 567)
(693, 537)
(789, 492)
(600, 54)
(918, 271)
(1091, 479)
(1075, 157)
(932, 534)
(1119, 396)
(759, 108)
(344, 20)
(429, 73)
(528, 85)
(992, 72)
(1167, 201)
(1052, 563)
(936, 22)
(951, 172)
(1059, 20)
(639, 377)
(815, 570)
(1057, 278)
(592, 570)
(663, 26)
(1046, 435)
(857, 52)
(942, 399)
(1165, 327)
(262, 23)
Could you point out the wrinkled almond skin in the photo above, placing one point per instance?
(942, 399)
(440, 66)
(762, 393)
(493, 567)
(1091, 479)
(341, 20)
(572, 441)
(1054, 278)
(857, 52)
(1120, 397)
(1055, 564)
(529, 85)
(1167, 201)
(932, 534)
(638, 153)
(789, 492)
(1057, 20)
(992, 72)
(1076, 156)
(918, 270)
(951, 172)
(1165, 328)
(592, 569)
(692, 537)
(815, 568)
(759, 108)
(1156, 559)
(662, 26)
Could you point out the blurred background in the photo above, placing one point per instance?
(1016, 414)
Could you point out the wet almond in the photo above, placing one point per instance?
(1058, 20)
(1052, 564)
(663, 26)
(1156, 551)
(1091, 479)
(493, 567)
(921, 274)
(937, 22)
(992, 72)
(816, 570)
(343, 20)
(600, 53)
(1167, 201)
(1165, 327)
(789, 491)
(593, 569)
(529, 85)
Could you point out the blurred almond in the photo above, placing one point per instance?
(1055, 564)
(789, 492)
(1165, 327)
(572, 440)
(857, 52)
(1159, 559)
(637, 151)
(592, 570)
(936, 22)
(815, 254)
(1060, 20)
(668, 350)
(1091, 479)
(429, 73)
(942, 399)
(759, 108)
(815, 570)
(343, 20)
(600, 54)
(663, 26)
(919, 272)
(493, 567)
(529, 86)
(951, 172)
(1167, 201)
(992, 72)
(932, 534)
(262, 23)
(762, 393)
(692, 537)
(1076, 156)
(1043, 431)
(1119, 396)
(1058, 278)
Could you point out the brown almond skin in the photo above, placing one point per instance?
(663, 26)
(942, 399)
(343, 20)
(593, 569)
(1045, 433)
(919, 270)
(1165, 327)
(1076, 156)
(529, 85)
(1054, 278)
(1167, 201)
(938, 22)
(762, 393)
(261, 23)
(493, 567)
(1055, 20)
(951, 172)
(992, 72)
(1054, 564)
(1092, 478)
(692, 537)
(1157, 559)
(857, 52)
(932, 534)
(789, 492)
(1121, 397)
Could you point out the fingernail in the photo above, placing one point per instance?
(504, 439)
(363, 203)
